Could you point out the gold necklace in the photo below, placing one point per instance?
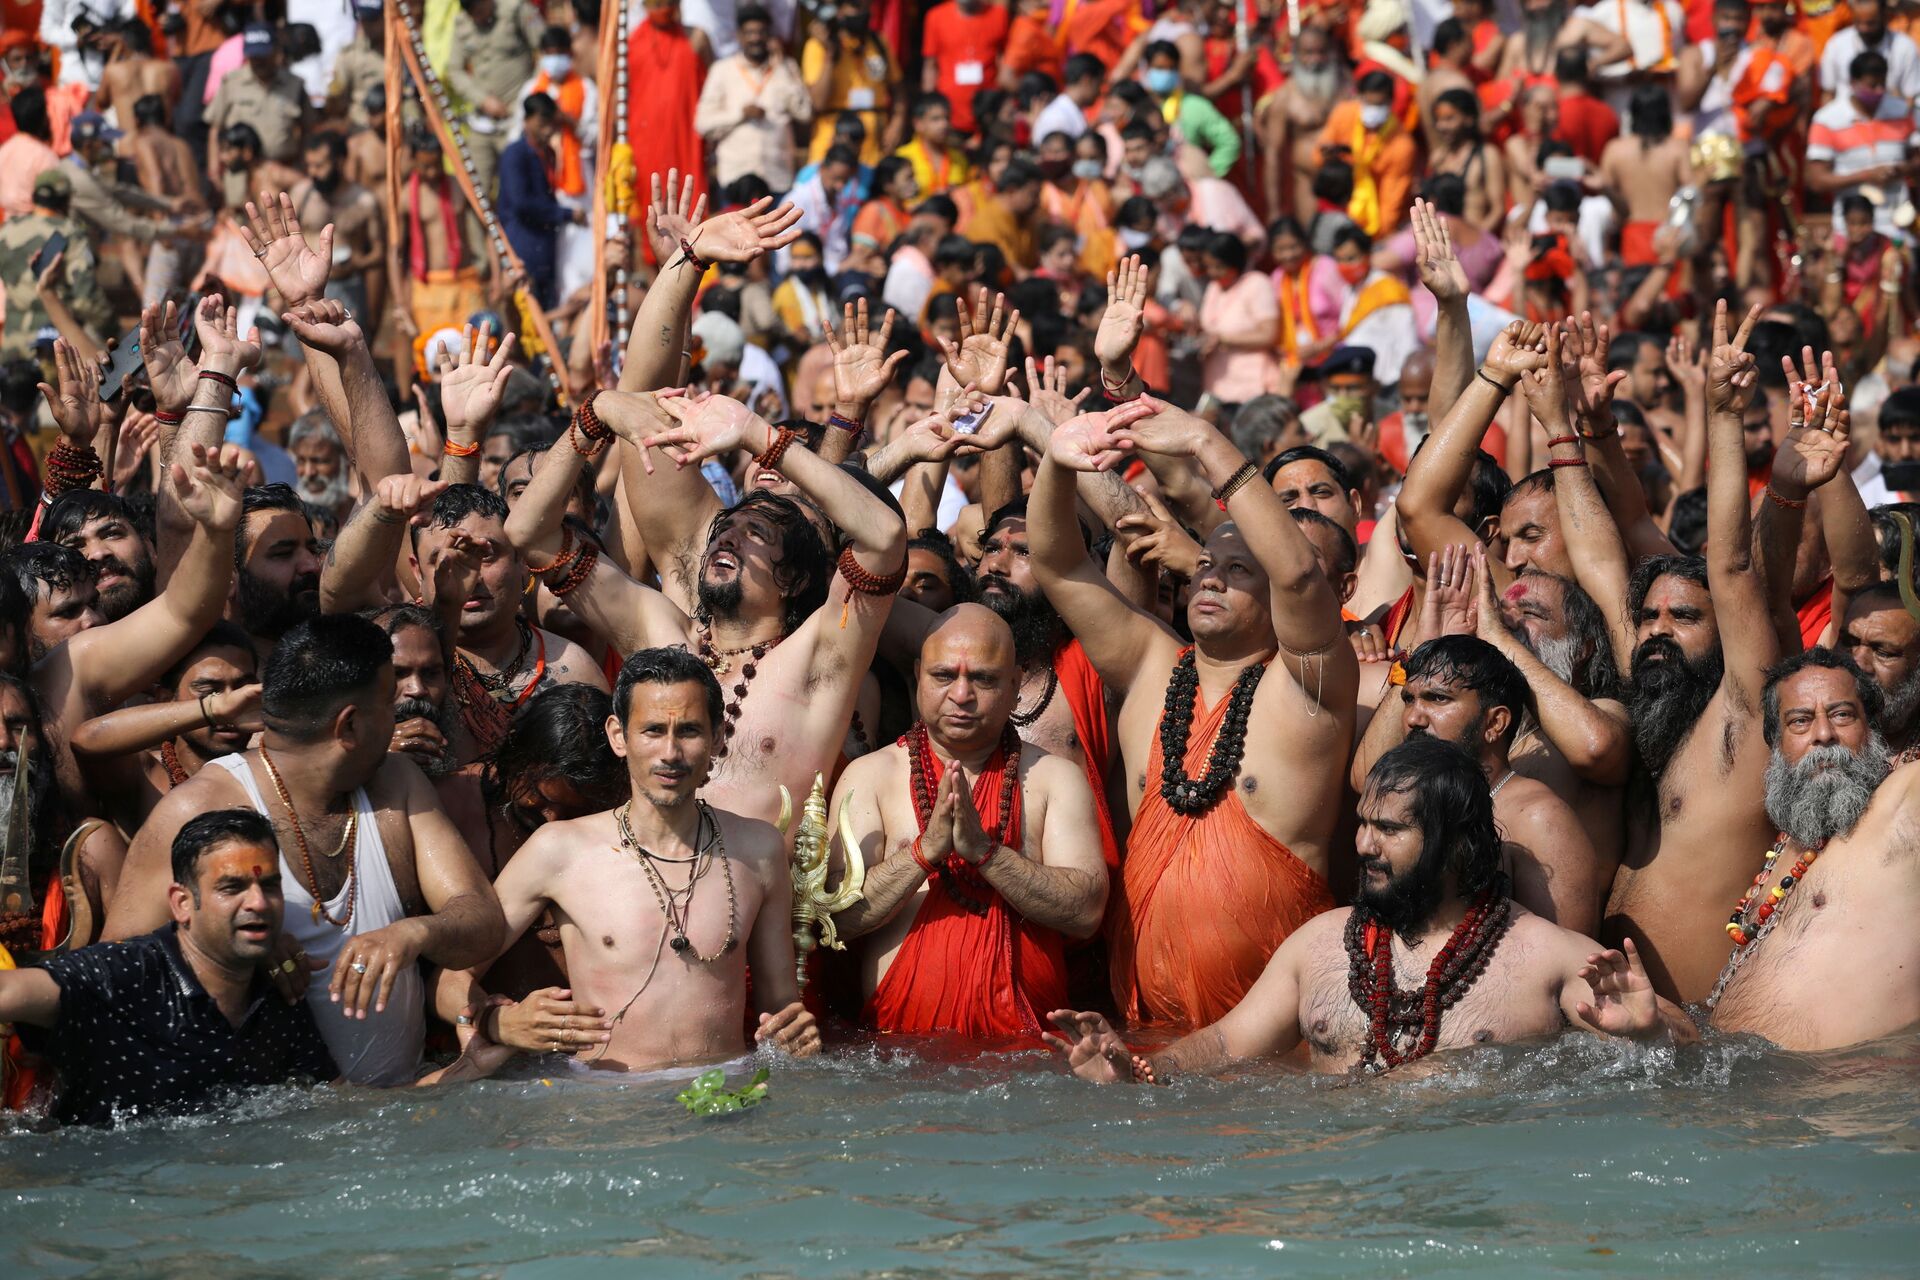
(306, 858)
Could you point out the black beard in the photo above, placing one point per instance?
(1667, 697)
(441, 717)
(266, 611)
(1032, 620)
(117, 602)
(327, 186)
(721, 599)
(1408, 900)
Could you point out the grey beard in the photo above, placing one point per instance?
(39, 785)
(1813, 804)
(333, 496)
(1541, 28)
(1555, 655)
(1901, 705)
(1321, 84)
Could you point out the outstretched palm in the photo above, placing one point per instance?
(217, 326)
(1433, 255)
(210, 490)
(1623, 1000)
(471, 383)
(709, 428)
(981, 356)
(298, 270)
(861, 366)
(1125, 317)
(672, 215)
(75, 399)
(169, 372)
(745, 234)
(1816, 445)
(1047, 391)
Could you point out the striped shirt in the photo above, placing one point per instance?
(1852, 143)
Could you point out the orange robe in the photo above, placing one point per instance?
(666, 77)
(988, 976)
(1205, 900)
(1086, 697)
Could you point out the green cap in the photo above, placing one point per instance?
(54, 182)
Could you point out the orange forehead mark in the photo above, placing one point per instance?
(1516, 592)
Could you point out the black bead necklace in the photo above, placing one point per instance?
(1186, 795)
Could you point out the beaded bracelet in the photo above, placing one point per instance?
(688, 255)
(589, 422)
(1505, 388)
(1116, 393)
(1235, 482)
(866, 583)
(769, 460)
(581, 571)
(1566, 462)
(590, 449)
(70, 466)
(1791, 504)
(1142, 1070)
(455, 450)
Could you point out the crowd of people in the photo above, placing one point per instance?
(1375, 526)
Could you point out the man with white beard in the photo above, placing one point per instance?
(321, 460)
(1840, 886)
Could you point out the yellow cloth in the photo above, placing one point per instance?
(1380, 292)
(1364, 208)
(935, 174)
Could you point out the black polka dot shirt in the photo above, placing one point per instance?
(138, 1035)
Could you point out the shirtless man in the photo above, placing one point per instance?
(359, 226)
(654, 985)
(1430, 858)
(1269, 650)
(1545, 29)
(135, 755)
(1829, 792)
(165, 168)
(1042, 877)
(1291, 119)
(1642, 169)
(1704, 644)
(376, 877)
(1460, 690)
(132, 72)
(1883, 640)
(1459, 148)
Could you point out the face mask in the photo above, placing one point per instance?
(1086, 170)
(556, 66)
(1353, 272)
(1135, 239)
(1869, 99)
(1055, 168)
(1374, 114)
(1163, 80)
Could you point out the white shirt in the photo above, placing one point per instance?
(1652, 44)
(909, 282)
(717, 18)
(1903, 62)
(1062, 115)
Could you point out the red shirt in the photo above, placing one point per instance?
(1586, 124)
(967, 49)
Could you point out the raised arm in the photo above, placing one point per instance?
(131, 729)
(369, 431)
(1811, 457)
(1116, 636)
(1739, 594)
(1590, 388)
(1440, 270)
(861, 371)
(358, 573)
(471, 384)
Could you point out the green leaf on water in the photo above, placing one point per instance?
(708, 1095)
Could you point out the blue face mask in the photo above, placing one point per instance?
(1163, 80)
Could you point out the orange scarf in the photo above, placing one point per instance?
(570, 95)
(1296, 317)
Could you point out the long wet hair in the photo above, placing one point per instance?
(560, 733)
(1452, 804)
(803, 569)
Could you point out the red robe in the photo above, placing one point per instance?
(664, 78)
(1086, 697)
(985, 977)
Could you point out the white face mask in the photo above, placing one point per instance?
(1374, 114)
(1135, 239)
(556, 66)
(1086, 170)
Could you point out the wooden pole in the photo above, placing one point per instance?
(397, 282)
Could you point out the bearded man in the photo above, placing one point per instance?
(1841, 873)
(1430, 879)
(654, 984)
(982, 854)
(321, 461)
(276, 583)
(1547, 27)
(1233, 818)
(1884, 641)
(1290, 120)
(104, 530)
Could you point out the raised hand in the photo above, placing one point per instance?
(471, 382)
(1161, 429)
(861, 366)
(1047, 390)
(1583, 362)
(1732, 371)
(1516, 349)
(1433, 255)
(672, 216)
(210, 491)
(1546, 387)
(75, 400)
(745, 234)
(710, 426)
(326, 325)
(169, 372)
(1125, 317)
(1094, 1050)
(1452, 604)
(1623, 1000)
(1686, 366)
(405, 497)
(1153, 537)
(297, 269)
(1096, 441)
(237, 708)
(453, 569)
(1816, 445)
(138, 432)
(981, 355)
(221, 346)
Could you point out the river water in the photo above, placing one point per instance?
(1572, 1158)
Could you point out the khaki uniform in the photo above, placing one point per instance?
(495, 63)
(275, 111)
(105, 206)
(20, 239)
(355, 72)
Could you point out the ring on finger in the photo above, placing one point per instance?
(359, 966)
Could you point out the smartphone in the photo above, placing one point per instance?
(123, 362)
(969, 423)
(56, 244)
(1564, 168)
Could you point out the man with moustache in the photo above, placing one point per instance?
(982, 853)
(1546, 28)
(1883, 640)
(1430, 879)
(655, 984)
(276, 581)
(1831, 910)
(135, 755)
(1461, 690)
(321, 462)
(1704, 642)
(101, 527)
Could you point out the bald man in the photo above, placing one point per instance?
(982, 853)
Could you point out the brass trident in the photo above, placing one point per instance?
(813, 906)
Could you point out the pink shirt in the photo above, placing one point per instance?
(1237, 375)
(22, 159)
